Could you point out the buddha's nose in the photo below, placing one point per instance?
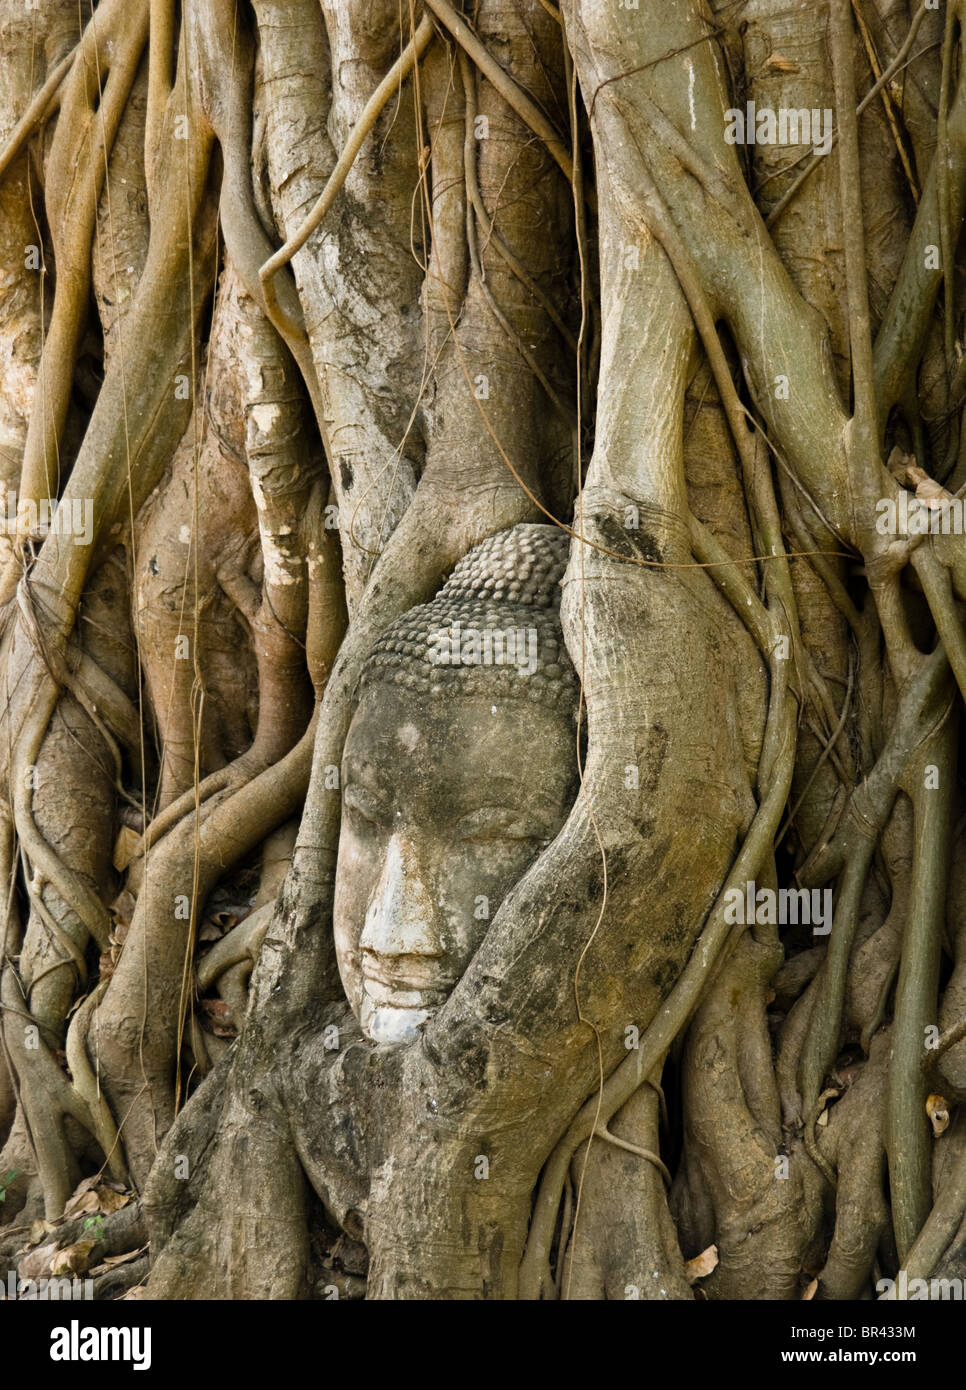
(400, 917)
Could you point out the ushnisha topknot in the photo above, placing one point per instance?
(493, 629)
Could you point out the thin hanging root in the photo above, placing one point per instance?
(390, 84)
(41, 108)
(820, 761)
(511, 92)
(886, 101)
(492, 237)
(727, 575)
(815, 160)
(474, 203)
(602, 1132)
(949, 1039)
(925, 704)
(566, 1230)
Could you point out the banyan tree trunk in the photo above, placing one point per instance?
(481, 642)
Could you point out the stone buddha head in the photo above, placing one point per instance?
(460, 766)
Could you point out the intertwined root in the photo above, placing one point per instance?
(302, 304)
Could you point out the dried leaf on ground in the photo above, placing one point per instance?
(73, 1259)
(702, 1264)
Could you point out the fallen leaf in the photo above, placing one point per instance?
(125, 847)
(125, 1258)
(73, 1207)
(123, 905)
(779, 63)
(110, 1200)
(39, 1229)
(932, 493)
(702, 1264)
(86, 1203)
(36, 1265)
(830, 1093)
(73, 1259)
(937, 1108)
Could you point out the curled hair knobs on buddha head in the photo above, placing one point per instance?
(509, 583)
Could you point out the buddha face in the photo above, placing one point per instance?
(447, 801)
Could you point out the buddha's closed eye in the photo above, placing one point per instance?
(495, 823)
(484, 825)
(366, 805)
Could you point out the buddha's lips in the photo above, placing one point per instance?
(412, 989)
